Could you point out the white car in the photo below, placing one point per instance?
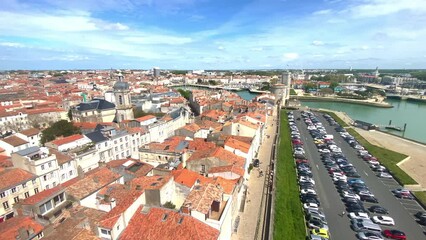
(358, 215)
(384, 175)
(308, 191)
(310, 206)
(341, 178)
(336, 174)
(306, 179)
(384, 220)
(369, 236)
(350, 195)
(323, 150)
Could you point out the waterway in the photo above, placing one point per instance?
(404, 112)
(246, 95)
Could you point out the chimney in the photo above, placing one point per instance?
(113, 203)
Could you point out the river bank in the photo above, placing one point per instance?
(343, 100)
(414, 166)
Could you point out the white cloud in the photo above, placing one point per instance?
(221, 48)
(12, 44)
(291, 56)
(317, 43)
(153, 38)
(375, 8)
(322, 12)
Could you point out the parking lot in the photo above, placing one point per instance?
(401, 210)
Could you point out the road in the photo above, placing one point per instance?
(401, 210)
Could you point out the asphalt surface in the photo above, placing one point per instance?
(401, 210)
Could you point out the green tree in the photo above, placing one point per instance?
(185, 93)
(169, 205)
(333, 85)
(60, 128)
(69, 115)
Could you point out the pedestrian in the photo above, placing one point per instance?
(343, 213)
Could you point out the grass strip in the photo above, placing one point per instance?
(387, 158)
(421, 196)
(292, 92)
(336, 118)
(289, 219)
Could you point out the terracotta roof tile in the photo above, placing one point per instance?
(150, 182)
(30, 132)
(10, 228)
(189, 178)
(13, 176)
(201, 197)
(43, 195)
(14, 141)
(176, 226)
(62, 158)
(93, 181)
(65, 140)
(145, 118)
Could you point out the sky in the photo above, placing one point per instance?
(212, 34)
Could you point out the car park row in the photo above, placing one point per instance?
(315, 218)
(352, 189)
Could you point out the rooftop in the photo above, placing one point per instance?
(10, 228)
(162, 224)
(92, 182)
(30, 132)
(13, 176)
(14, 141)
(201, 197)
(65, 140)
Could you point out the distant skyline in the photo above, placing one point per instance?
(220, 34)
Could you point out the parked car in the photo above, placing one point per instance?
(358, 215)
(384, 220)
(320, 232)
(394, 234)
(384, 175)
(369, 236)
(378, 209)
(256, 163)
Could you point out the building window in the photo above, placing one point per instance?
(105, 232)
(58, 199)
(34, 181)
(53, 184)
(45, 177)
(118, 227)
(120, 99)
(16, 199)
(27, 194)
(121, 139)
(6, 205)
(203, 168)
(63, 176)
(50, 164)
(35, 190)
(42, 167)
(45, 207)
(14, 190)
(71, 173)
(116, 148)
(40, 235)
(3, 194)
(24, 185)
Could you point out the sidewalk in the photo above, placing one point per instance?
(253, 209)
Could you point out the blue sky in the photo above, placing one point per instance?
(212, 34)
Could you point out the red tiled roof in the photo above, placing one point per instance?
(14, 141)
(10, 228)
(14, 176)
(176, 226)
(5, 162)
(30, 132)
(65, 140)
(43, 195)
(150, 182)
(145, 118)
(124, 199)
(188, 178)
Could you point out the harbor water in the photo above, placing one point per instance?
(403, 112)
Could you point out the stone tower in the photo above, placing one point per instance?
(123, 103)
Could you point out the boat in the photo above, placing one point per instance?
(394, 128)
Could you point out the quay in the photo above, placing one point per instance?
(344, 100)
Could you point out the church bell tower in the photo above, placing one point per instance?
(123, 103)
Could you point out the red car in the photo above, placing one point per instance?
(297, 141)
(394, 234)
